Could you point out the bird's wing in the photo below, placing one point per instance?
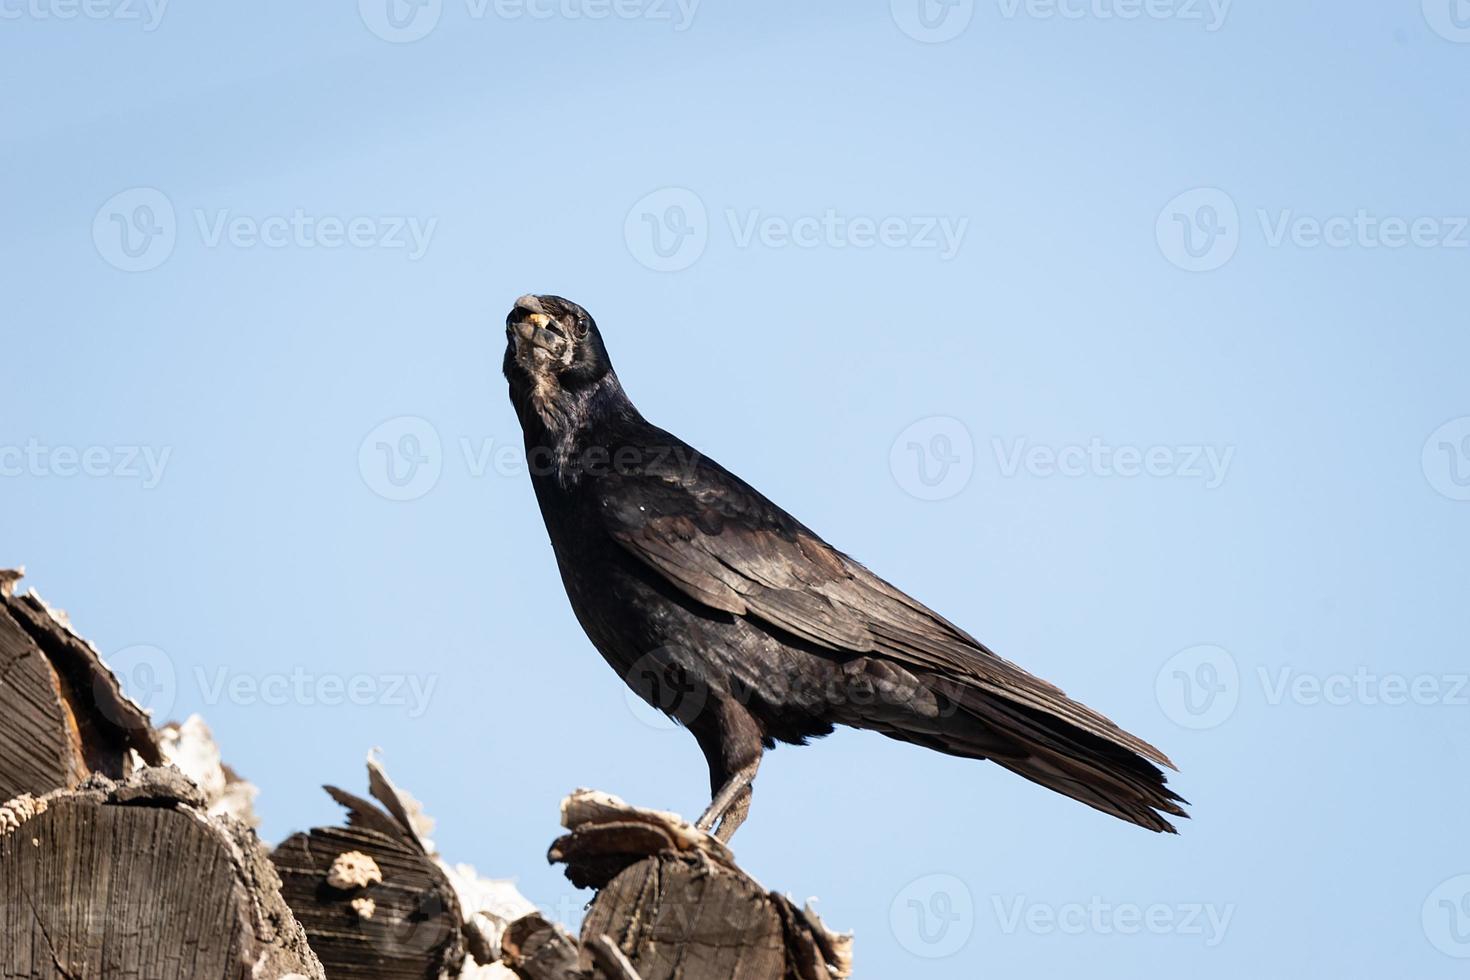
(725, 545)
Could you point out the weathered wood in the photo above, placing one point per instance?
(540, 950)
(63, 715)
(405, 922)
(155, 874)
(131, 880)
(43, 750)
(672, 904)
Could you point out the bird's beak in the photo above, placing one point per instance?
(538, 331)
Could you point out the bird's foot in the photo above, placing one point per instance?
(730, 805)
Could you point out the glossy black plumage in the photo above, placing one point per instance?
(723, 610)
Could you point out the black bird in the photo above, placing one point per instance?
(718, 607)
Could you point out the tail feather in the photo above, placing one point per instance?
(1102, 768)
(1040, 734)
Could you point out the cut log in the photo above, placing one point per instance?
(63, 714)
(379, 904)
(671, 904)
(132, 879)
(113, 866)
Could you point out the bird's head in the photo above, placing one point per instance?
(553, 352)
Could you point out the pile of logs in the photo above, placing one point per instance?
(129, 851)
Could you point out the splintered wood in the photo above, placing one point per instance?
(128, 852)
(671, 903)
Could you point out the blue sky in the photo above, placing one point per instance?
(1131, 336)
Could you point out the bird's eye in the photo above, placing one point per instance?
(579, 326)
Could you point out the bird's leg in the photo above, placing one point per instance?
(731, 803)
(732, 742)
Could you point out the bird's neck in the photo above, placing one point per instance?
(562, 425)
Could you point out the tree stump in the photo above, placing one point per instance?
(132, 879)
